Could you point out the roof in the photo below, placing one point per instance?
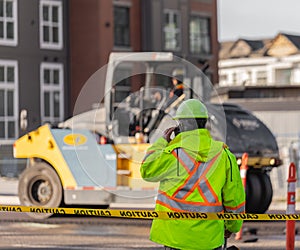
(225, 48)
(243, 48)
(255, 48)
(255, 44)
(294, 39)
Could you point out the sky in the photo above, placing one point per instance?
(257, 19)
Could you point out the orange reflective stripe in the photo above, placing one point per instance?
(202, 194)
(176, 204)
(239, 208)
(208, 191)
(185, 159)
(168, 206)
(194, 186)
(187, 180)
(206, 182)
(196, 181)
(211, 190)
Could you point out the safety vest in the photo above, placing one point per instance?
(196, 174)
(196, 181)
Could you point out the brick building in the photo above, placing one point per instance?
(188, 28)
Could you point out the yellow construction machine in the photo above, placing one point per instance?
(94, 157)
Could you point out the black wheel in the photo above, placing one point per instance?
(259, 192)
(39, 185)
(253, 192)
(267, 194)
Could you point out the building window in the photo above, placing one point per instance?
(261, 78)
(223, 79)
(283, 76)
(123, 83)
(52, 92)
(8, 22)
(121, 26)
(8, 100)
(171, 30)
(51, 24)
(200, 39)
(248, 78)
(234, 78)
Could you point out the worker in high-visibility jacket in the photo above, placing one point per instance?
(196, 174)
(177, 82)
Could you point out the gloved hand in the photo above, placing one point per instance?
(167, 133)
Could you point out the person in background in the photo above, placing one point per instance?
(177, 87)
(196, 174)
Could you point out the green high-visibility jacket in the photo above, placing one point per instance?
(196, 174)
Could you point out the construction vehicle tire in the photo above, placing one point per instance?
(267, 193)
(39, 185)
(253, 192)
(259, 192)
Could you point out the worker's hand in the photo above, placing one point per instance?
(167, 133)
(227, 234)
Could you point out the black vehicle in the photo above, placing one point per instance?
(245, 133)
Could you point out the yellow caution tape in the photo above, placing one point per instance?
(150, 214)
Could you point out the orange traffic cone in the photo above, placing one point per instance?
(243, 173)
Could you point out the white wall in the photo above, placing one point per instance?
(243, 66)
(285, 125)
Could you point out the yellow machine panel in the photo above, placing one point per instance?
(130, 157)
(41, 144)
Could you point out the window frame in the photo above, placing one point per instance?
(283, 74)
(51, 45)
(176, 31)
(51, 89)
(202, 36)
(261, 77)
(5, 41)
(5, 85)
(122, 45)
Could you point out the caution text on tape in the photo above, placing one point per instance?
(150, 214)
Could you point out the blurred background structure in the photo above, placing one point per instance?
(264, 77)
(50, 48)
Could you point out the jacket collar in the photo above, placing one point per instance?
(198, 142)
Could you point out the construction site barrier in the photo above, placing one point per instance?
(150, 214)
(243, 173)
(291, 207)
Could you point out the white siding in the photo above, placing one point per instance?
(285, 125)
